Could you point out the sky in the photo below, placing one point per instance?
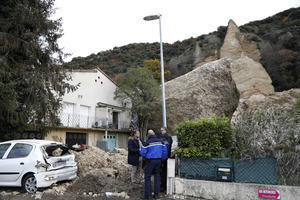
(91, 26)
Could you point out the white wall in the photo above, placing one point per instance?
(94, 87)
(230, 190)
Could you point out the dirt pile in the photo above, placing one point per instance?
(102, 186)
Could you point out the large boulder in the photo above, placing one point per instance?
(250, 77)
(235, 43)
(202, 93)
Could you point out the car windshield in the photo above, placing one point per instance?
(3, 148)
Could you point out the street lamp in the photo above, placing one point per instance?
(149, 18)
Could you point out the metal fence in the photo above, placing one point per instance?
(83, 121)
(261, 170)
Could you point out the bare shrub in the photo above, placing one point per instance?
(272, 133)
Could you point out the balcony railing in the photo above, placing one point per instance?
(83, 121)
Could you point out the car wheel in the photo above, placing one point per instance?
(29, 184)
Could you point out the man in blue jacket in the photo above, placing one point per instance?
(153, 151)
(134, 158)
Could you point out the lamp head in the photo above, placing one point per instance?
(152, 17)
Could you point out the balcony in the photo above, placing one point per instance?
(82, 121)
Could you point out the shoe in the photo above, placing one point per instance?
(155, 196)
(145, 197)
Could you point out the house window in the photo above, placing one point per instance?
(68, 117)
(85, 118)
(116, 119)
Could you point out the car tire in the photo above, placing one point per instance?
(29, 184)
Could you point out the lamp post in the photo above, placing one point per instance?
(149, 18)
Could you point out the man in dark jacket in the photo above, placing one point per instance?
(153, 151)
(164, 167)
(134, 158)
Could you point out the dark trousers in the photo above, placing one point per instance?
(163, 175)
(152, 167)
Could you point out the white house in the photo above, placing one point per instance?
(91, 112)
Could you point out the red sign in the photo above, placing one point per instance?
(268, 194)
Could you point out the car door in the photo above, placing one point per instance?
(14, 162)
(3, 153)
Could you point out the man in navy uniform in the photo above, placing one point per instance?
(153, 151)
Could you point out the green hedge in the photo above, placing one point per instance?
(204, 138)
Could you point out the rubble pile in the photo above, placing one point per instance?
(59, 189)
(98, 162)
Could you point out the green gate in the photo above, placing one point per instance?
(111, 141)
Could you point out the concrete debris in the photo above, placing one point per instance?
(5, 193)
(38, 195)
(57, 152)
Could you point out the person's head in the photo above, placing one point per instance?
(158, 132)
(151, 132)
(163, 130)
(137, 134)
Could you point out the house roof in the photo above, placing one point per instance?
(95, 71)
(100, 104)
(106, 75)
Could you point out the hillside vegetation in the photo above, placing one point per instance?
(277, 37)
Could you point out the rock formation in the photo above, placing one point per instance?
(235, 44)
(202, 93)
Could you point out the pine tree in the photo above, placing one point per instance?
(31, 79)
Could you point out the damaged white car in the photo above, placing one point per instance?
(33, 164)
